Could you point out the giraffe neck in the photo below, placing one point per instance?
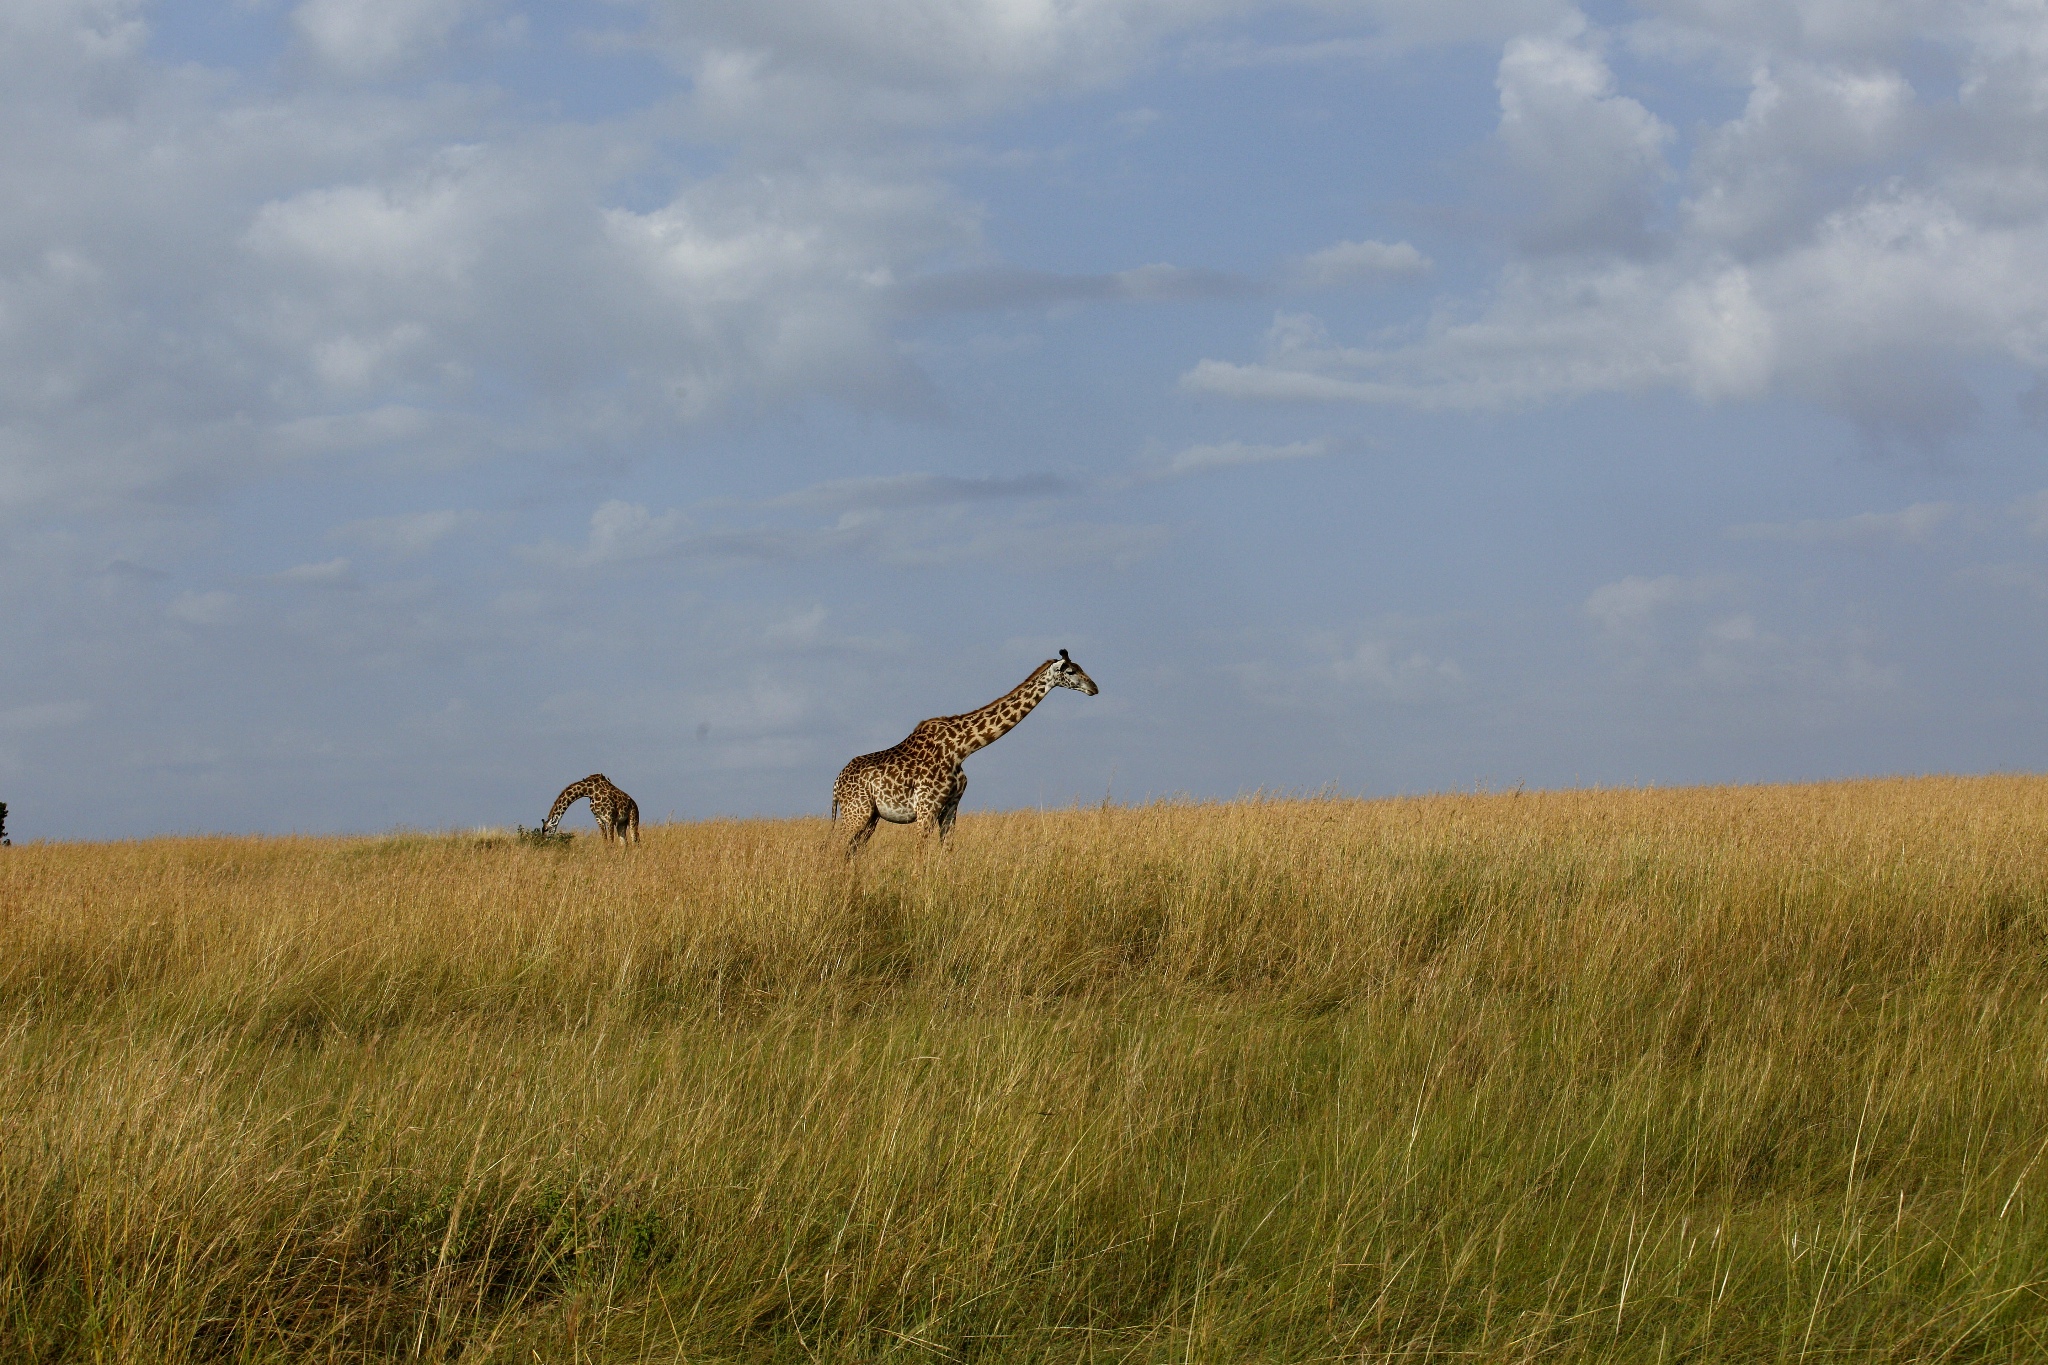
(979, 729)
(571, 794)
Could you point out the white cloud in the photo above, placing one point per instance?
(1843, 238)
(1868, 316)
(910, 522)
(407, 535)
(202, 608)
(995, 287)
(621, 533)
(772, 284)
(2031, 579)
(1385, 30)
(1632, 604)
(1590, 160)
(840, 68)
(819, 71)
(1352, 263)
(327, 574)
(1914, 525)
(1330, 672)
(425, 234)
(1763, 178)
(798, 630)
(1739, 31)
(354, 433)
(213, 281)
(922, 490)
(470, 261)
(1620, 325)
(1200, 459)
(1135, 122)
(1693, 634)
(370, 38)
(1402, 673)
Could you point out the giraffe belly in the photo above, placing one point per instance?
(896, 815)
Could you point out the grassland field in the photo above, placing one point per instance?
(1732, 1074)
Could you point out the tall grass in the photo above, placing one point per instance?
(1731, 1074)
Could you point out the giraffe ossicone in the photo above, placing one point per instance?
(617, 814)
(920, 781)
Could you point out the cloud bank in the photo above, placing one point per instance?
(1848, 238)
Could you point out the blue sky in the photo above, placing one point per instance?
(409, 406)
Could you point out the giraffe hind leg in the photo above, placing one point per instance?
(863, 831)
(856, 820)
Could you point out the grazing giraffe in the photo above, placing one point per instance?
(920, 780)
(616, 813)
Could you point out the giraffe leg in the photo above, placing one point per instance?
(864, 831)
(857, 819)
(931, 822)
(949, 809)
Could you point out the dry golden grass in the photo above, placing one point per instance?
(1734, 1074)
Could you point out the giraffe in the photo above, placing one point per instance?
(616, 813)
(920, 780)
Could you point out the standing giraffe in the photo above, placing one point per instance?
(920, 780)
(616, 813)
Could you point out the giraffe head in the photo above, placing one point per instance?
(1067, 673)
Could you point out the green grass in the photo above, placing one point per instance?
(1732, 1074)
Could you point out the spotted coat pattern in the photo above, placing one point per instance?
(617, 814)
(920, 781)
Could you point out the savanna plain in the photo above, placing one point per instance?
(1710, 1074)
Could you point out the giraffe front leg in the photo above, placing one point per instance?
(924, 818)
(934, 807)
(949, 809)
